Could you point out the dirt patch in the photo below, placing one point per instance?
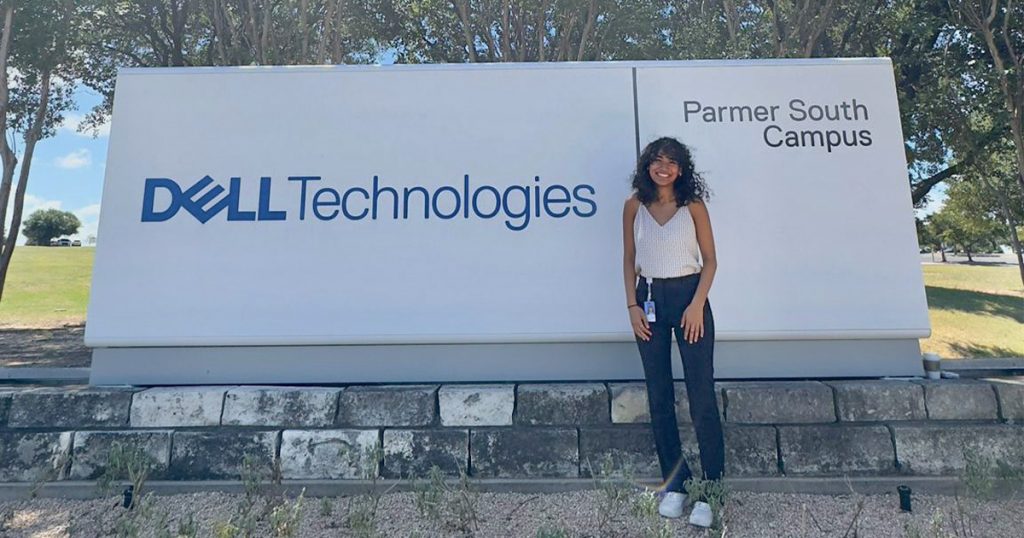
(57, 347)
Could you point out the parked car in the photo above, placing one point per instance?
(76, 243)
(64, 242)
(53, 242)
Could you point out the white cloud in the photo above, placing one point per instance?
(88, 212)
(79, 158)
(71, 122)
(90, 218)
(34, 203)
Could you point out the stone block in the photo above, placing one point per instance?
(92, 451)
(34, 457)
(959, 399)
(1011, 399)
(749, 450)
(329, 454)
(629, 403)
(618, 451)
(383, 406)
(219, 455)
(778, 402)
(476, 405)
(412, 453)
(837, 450)
(280, 406)
(683, 403)
(169, 407)
(524, 453)
(5, 406)
(69, 408)
(879, 400)
(938, 449)
(561, 404)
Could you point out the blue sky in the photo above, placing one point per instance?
(67, 171)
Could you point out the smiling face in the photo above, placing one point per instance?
(663, 170)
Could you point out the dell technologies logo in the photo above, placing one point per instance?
(192, 201)
(515, 205)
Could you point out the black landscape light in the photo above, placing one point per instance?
(904, 492)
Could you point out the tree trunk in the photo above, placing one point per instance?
(520, 36)
(35, 130)
(1010, 98)
(780, 47)
(304, 23)
(221, 34)
(253, 27)
(325, 34)
(506, 29)
(731, 22)
(1004, 208)
(265, 45)
(10, 160)
(462, 11)
(542, 29)
(1017, 250)
(822, 20)
(337, 54)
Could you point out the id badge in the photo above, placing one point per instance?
(649, 311)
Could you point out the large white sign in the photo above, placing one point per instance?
(482, 204)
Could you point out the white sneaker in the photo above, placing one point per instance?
(701, 515)
(672, 504)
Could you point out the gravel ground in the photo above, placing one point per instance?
(518, 514)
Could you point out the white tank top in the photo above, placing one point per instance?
(665, 251)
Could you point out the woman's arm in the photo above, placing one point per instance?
(637, 319)
(693, 316)
(706, 242)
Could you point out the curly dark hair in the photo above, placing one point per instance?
(689, 187)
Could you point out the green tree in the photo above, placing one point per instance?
(184, 33)
(994, 27)
(954, 60)
(46, 224)
(927, 237)
(960, 223)
(996, 194)
(38, 67)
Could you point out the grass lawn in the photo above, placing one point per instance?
(46, 287)
(975, 311)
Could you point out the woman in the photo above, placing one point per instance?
(666, 234)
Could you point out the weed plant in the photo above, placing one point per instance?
(455, 508)
(127, 462)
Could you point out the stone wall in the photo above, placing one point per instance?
(541, 430)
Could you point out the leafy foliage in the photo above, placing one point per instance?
(46, 224)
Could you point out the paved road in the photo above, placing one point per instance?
(979, 259)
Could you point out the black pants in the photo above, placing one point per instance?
(671, 297)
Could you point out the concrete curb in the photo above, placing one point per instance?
(933, 485)
(56, 375)
(981, 368)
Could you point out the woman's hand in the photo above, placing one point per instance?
(638, 320)
(693, 323)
